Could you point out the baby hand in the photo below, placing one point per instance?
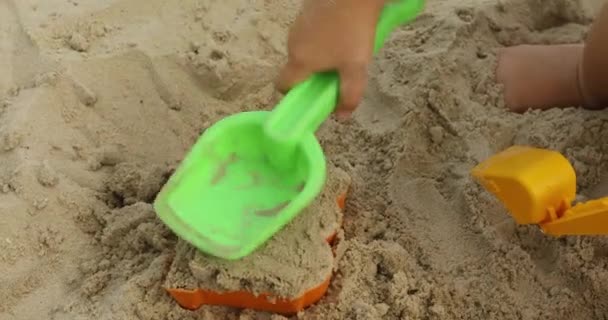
(333, 35)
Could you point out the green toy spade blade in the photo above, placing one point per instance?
(251, 173)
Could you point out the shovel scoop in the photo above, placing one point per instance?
(251, 173)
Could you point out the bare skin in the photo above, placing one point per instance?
(335, 35)
(539, 77)
(556, 76)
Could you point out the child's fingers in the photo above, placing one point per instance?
(353, 82)
(291, 74)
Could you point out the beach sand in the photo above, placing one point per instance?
(99, 101)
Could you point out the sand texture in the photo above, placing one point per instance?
(99, 101)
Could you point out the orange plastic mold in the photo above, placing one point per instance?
(194, 299)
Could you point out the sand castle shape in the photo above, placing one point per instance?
(289, 273)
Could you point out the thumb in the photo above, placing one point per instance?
(353, 82)
(291, 74)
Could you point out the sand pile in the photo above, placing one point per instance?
(291, 265)
(100, 100)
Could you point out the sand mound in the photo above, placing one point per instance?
(296, 260)
(100, 100)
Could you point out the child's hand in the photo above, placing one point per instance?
(333, 35)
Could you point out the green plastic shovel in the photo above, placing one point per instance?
(251, 173)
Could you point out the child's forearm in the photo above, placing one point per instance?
(362, 3)
(594, 71)
(373, 7)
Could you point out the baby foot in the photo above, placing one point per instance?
(540, 76)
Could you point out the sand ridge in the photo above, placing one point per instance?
(100, 100)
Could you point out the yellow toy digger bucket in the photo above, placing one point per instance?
(538, 186)
(530, 182)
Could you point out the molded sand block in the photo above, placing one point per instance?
(290, 272)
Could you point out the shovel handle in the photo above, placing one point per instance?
(308, 104)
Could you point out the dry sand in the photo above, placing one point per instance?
(99, 100)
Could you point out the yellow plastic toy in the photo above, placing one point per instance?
(538, 186)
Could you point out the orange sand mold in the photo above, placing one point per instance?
(194, 299)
